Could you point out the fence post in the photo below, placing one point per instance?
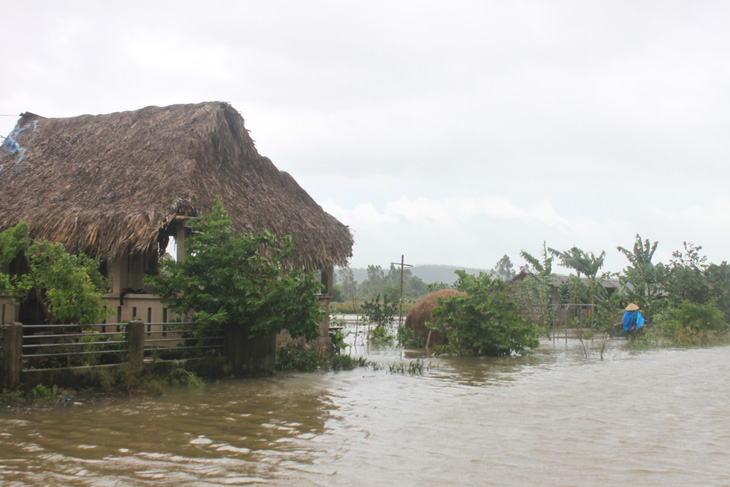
(12, 355)
(135, 342)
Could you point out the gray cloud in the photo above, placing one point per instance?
(583, 123)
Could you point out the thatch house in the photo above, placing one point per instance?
(119, 186)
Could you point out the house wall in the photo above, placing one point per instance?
(128, 272)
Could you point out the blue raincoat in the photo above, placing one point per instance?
(633, 318)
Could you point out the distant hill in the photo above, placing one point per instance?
(427, 273)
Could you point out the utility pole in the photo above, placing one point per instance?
(402, 264)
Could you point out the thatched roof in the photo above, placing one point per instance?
(102, 184)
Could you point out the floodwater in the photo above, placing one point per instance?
(555, 418)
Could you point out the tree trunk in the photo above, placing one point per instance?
(247, 355)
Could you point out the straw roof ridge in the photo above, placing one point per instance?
(105, 183)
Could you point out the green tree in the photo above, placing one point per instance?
(347, 280)
(67, 287)
(374, 284)
(241, 280)
(718, 278)
(588, 265)
(686, 277)
(535, 290)
(642, 281)
(382, 315)
(415, 288)
(503, 269)
(484, 322)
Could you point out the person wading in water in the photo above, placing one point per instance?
(633, 320)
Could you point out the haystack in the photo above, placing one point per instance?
(110, 184)
(421, 313)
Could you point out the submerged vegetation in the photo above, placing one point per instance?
(484, 321)
(684, 302)
(309, 360)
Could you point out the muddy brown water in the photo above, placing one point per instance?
(555, 418)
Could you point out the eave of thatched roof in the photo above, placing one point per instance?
(105, 184)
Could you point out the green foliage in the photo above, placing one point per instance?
(380, 334)
(68, 287)
(642, 280)
(338, 341)
(685, 278)
(179, 376)
(348, 283)
(388, 284)
(411, 367)
(309, 360)
(535, 290)
(534, 295)
(718, 279)
(381, 314)
(689, 323)
(584, 263)
(484, 322)
(41, 393)
(503, 269)
(244, 280)
(337, 294)
(406, 337)
(591, 290)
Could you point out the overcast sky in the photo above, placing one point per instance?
(452, 132)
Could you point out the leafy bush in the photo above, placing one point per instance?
(380, 314)
(380, 334)
(690, 324)
(67, 287)
(338, 341)
(180, 376)
(484, 321)
(407, 338)
(309, 360)
(239, 279)
(414, 367)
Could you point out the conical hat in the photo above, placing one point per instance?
(632, 307)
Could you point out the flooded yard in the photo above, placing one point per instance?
(553, 418)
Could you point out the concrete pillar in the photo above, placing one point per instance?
(12, 363)
(328, 280)
(135, 342)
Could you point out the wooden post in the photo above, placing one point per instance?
(180, 241)
(402, 265)
(12, 355)
(135, 342)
